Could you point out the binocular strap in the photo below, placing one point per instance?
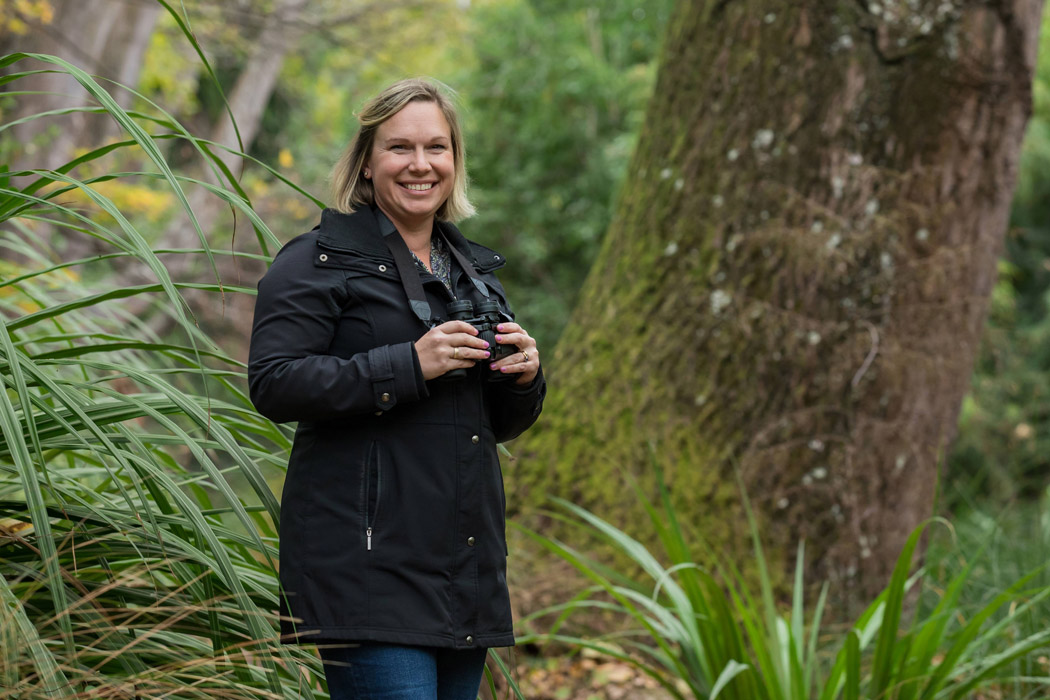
(406, 270)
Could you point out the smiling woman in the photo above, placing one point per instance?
(393, 543)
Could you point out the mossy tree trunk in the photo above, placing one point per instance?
(797, 274)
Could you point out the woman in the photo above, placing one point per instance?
(393, 549)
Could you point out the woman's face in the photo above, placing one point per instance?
(411, 166)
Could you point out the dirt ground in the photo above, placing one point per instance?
(583, 676)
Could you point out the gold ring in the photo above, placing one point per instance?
(525, 355)
(455, 353)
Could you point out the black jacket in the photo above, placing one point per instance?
(392, 526)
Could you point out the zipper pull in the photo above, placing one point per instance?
(368, 534)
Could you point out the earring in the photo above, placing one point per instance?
(368, 174)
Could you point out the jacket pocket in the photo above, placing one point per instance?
(371, 491)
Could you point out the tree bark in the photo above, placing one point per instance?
(796, 277)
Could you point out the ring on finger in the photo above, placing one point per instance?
(525, 355)
(455, 353)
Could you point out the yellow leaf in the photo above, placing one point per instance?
(11, 529)
(284, 157)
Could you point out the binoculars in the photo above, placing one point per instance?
(485, 319)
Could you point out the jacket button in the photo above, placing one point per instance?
(470, 541)
(382, 268)
(384, 397)
(379, 413)
(323, 257)
(475, 439)
(470, 641)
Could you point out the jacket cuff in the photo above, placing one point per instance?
(537, 387)
(531, 387)
(396, 375)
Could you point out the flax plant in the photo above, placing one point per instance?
(705, 633)
(137, 523)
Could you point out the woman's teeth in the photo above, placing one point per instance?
(419, 188)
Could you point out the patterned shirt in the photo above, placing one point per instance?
(440, 261)
(440, 258)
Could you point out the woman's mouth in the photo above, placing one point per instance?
(419, 188)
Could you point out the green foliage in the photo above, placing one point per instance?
(555, 99)
(998, 548)
(138, 540)
(1003, 446)
(707, 634)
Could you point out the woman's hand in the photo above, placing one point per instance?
(526, 362)
(452, 345)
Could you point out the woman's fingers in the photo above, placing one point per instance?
(468, 348)
(466, 341)
(520, 361)
(526, 361)
(464, 336)
(452, 345)
(451, 327)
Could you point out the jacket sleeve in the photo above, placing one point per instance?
(291, 376)
(515, 408)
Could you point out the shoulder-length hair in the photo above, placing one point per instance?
(351, 189)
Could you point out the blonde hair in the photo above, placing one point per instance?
(351, 189)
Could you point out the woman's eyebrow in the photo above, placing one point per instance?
(405, 139)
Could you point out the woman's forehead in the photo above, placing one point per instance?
(416, 120)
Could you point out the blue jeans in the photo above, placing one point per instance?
(389, 672)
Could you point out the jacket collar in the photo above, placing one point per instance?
(360, 233)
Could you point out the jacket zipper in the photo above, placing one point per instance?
(370, 513)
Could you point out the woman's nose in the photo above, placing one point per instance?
(419, 160)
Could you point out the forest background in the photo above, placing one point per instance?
(553, 94)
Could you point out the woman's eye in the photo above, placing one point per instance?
(438, 147)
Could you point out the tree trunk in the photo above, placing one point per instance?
(255, 84)
(125, 52)
(79, 34)
(796, 277)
